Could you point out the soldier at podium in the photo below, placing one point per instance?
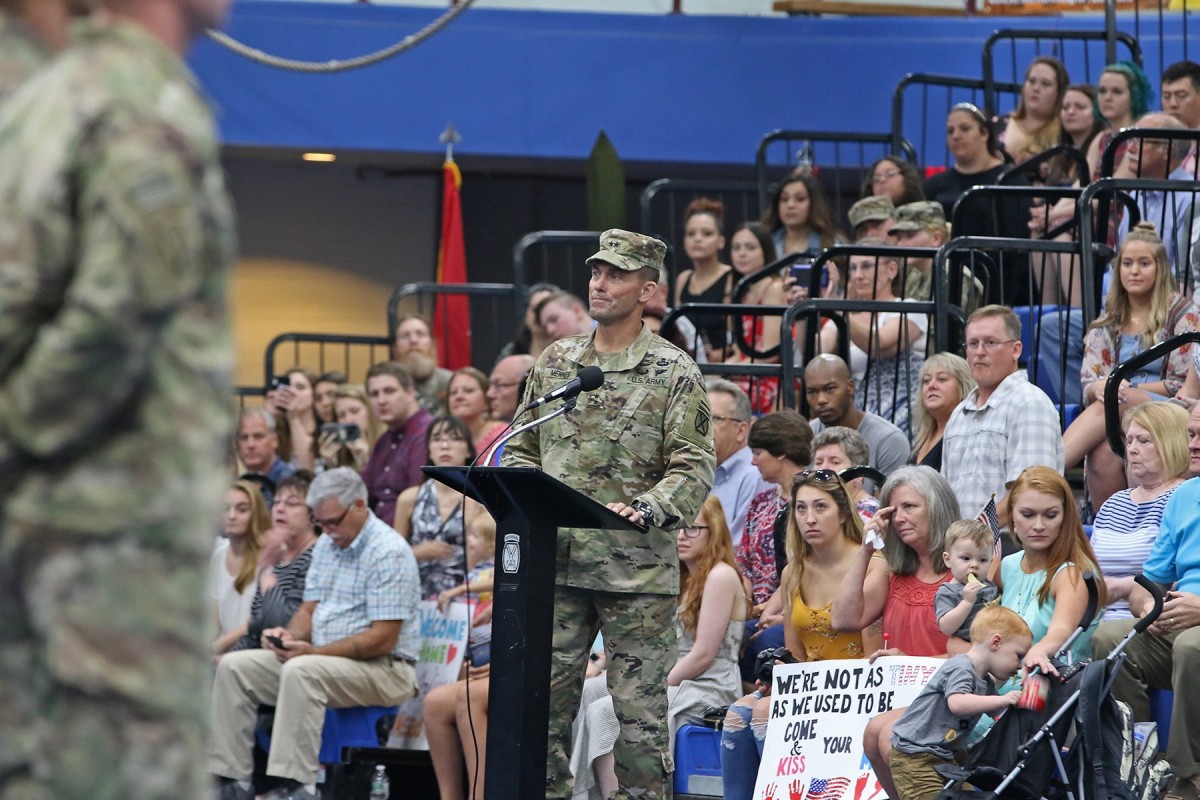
(642, 444)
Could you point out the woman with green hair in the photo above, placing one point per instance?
(1123, 94)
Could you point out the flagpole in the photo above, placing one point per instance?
(451, 315)
(449, 137)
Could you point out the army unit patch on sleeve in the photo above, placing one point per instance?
(703, 421)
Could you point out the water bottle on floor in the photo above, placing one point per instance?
(380, 785)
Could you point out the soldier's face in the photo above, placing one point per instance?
(614, 294)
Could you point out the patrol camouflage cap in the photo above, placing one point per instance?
(629, 251)
(871, 209)
(915, 216)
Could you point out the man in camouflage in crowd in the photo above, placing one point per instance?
(30, 31)
(642, 444)
(116, 235)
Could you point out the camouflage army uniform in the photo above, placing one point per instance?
(646, 434)
(116, 235)
(21, 54)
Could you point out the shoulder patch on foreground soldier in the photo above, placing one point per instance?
(696, 424)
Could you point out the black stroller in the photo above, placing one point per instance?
(1080, 747)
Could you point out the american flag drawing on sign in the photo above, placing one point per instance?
(827, 788)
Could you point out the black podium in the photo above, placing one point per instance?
(529, 507)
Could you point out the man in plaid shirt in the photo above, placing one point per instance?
(348, 645)
(1005, 424)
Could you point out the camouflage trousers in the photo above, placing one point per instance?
(639, 643)
(104, 666)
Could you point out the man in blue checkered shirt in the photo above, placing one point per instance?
(348, 645)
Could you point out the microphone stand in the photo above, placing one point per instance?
(566, 406)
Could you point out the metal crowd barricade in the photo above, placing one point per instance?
(554, 257)
(1156, 31)
(495, 310)
(325, 352)
(1084, 62)
(664, 201)
(839, 159)
(246, 396)
(1112, 389)
(929, 116)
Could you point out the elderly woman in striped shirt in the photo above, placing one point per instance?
(1126, 526)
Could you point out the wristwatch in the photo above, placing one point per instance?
(643, 508)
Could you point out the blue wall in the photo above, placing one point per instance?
(538, 84)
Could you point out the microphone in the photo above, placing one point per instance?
(585, 380)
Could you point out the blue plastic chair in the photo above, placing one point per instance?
(698, 761)
(1160, 711)
(344, 727)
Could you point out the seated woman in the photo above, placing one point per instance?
(467, 400)
(1123, 95)
(235, 562)
(799, 217)
(350, 407)
(824, 540)
(713, 605)
(432, 516)
(944, 381)
(323, 389)
(1035, 125)
(708, 280)
(978, 162)
(296, 419)
(1126, 526)
(1143, 307)
(780, 446)
(751, 249)
(895, 342)
(455, 723)
(1079, 123)
(839, 448)
(284, 561)
(918, 507)
(894, 177)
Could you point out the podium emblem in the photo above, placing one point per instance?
(511, 557)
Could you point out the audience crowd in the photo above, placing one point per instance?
(786, 553)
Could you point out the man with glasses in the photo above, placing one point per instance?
(737, 480)
(1004, 425)
(504, 386)
(350, 644)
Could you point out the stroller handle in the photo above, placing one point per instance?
(1156, 593)
(1093, 601)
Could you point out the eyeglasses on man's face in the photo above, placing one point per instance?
(719, 418)
(331, 523)
(986, 344)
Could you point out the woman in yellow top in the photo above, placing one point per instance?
(824, 536)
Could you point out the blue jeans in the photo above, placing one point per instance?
(770, 638)
(1052, 349)
(741, 750)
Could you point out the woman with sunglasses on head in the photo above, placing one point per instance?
(918, 507)
(823, 541)
(713, 604)
(433, 517)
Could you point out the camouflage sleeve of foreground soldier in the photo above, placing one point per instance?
(140, 229)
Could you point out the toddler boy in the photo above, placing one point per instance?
(936, 725)
(968, 554)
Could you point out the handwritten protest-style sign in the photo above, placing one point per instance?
(443, 642)
(813, 749)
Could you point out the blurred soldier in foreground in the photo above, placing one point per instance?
(115, 240)
(642, 443)
(30, 32)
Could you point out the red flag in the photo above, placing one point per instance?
(451, 313)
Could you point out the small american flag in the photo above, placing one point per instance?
(827, 788)
(988, 517)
